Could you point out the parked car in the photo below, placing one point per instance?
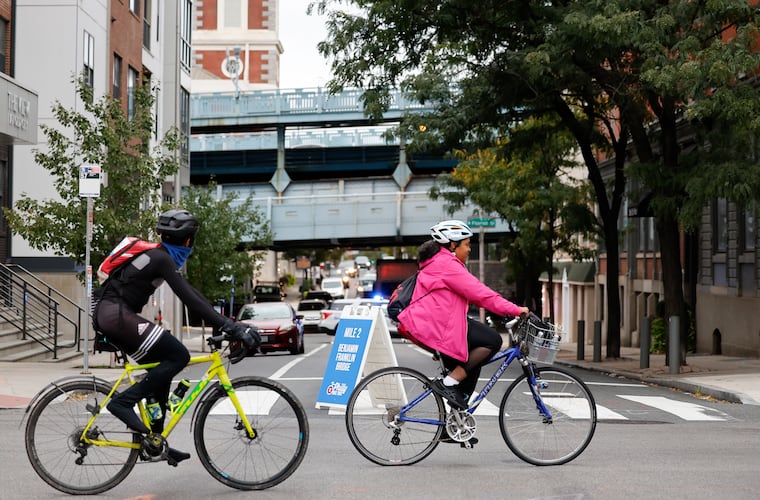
(331, 316)
(311, 310)
(334, 286)
(267, 292)
(279, 325)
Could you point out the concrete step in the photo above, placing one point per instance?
(35, 353)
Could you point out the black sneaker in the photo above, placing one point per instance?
(454, 396)
(445, 438)
(175, 456)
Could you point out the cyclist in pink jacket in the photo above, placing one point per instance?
(437, 315)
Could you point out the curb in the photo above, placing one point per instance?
(684, 386)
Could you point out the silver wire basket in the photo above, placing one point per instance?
(542, 340)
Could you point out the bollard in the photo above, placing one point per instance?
(645, 329)
(581, 351)
(597, 341)
(674, 351)
(716, 342)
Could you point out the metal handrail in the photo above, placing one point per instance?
(34, 307)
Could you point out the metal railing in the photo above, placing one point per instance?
(39, 311)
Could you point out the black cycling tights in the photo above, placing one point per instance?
(482, 343)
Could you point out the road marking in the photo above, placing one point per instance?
(282, 371)
(681, 409)
(253, 403)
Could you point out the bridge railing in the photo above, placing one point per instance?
(208, 108)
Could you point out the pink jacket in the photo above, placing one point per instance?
(437, 316)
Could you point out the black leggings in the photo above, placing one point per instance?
(482, 343)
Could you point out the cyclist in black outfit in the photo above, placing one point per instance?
(117, 315)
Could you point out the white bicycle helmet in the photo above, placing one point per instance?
(450, 230)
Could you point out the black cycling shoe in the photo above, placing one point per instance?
(445, 438)
(453, 395)
(124, 411)
(176, 455)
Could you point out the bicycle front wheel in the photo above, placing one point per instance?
(537, 439)
(375, 424)
(272, 455)
(55, 449)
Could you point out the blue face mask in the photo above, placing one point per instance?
(179, 253)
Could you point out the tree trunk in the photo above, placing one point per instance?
(613, 296)
(672, 282)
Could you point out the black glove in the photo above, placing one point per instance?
(247, 334)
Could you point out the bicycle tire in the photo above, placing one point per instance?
(537, 441)
(371, 417)
(52, 440)
(282, 434)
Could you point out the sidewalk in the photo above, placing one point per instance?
(725, 378)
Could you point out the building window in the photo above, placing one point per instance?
(3, 47)
(88, 56)
(747, 229)
(720, 243)
(117, 76)
(146, 24)
(232, 13)
(134, 6)
(186, 29)
(131, 86)
(184, 122)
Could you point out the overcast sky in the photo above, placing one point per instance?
(301, 66)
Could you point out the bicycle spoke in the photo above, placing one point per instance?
(537, 440)
(281, 439)
(376, 426)
(53, 440)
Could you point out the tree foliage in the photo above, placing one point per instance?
(220, 261)
(664, 86)
(100, 135)
(526, 180)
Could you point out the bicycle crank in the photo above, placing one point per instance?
(461, 426)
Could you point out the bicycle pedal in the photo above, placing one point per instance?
(467, 444)
(171, 461)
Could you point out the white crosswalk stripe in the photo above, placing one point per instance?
(681, 409)
(253, 403)
(576, 408)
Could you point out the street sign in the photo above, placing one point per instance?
(482, 222)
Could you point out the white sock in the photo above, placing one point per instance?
(449, 381)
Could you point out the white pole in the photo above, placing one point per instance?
(88, 296)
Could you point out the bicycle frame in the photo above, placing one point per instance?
(508, 355)
(216, 370)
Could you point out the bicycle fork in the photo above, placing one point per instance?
(536, 385)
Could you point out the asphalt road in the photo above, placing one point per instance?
(650, 442)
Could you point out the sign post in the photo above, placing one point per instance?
(89, 187)
(482, 223)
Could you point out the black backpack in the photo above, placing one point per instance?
(401, 297)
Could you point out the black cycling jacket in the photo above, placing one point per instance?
(134, 283)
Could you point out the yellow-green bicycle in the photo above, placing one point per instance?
(250, 433)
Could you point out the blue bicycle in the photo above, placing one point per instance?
(547, 415)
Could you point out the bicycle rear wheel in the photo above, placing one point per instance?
(234, 459)
(55, 450)
(373, 417)
(530, 435)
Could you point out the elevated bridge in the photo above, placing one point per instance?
(315, 165)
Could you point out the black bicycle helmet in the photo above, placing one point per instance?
(177, 226)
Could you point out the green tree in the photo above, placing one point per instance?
(100, 135)
(220, 259)
(526, 180)
(629, 79)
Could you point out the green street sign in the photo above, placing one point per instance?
(481, 222)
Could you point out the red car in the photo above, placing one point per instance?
(280, 327)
